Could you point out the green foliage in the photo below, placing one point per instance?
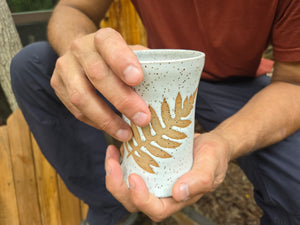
(30, 5)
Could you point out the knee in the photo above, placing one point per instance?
(23, 68)
(29, 64)
(17, 69)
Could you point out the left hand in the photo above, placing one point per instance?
(211, 156)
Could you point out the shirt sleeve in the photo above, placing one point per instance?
(286, 31)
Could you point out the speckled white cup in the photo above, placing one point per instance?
(163, 151)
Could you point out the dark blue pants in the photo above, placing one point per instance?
(77, 151)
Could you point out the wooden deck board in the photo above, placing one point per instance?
(84, 209)
(31, 192)
(8, 202)
(23, 169)
(69, 205)
(47, 188)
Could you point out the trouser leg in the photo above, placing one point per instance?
(74, 149)
(275, 170)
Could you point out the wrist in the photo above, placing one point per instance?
(239, 142)
(214, 141)
(226, 142)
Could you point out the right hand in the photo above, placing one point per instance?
(101, 61)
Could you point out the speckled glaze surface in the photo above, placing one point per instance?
(163, 151)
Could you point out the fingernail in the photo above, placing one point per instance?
(123, 134)
(184, 192)
(131, 183)
(140, 119)
(131, 74)
(108, 170)
(107, 154)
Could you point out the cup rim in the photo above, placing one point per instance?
(186, 54)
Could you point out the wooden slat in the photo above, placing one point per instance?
(47, 188)
(8, 202)
(84, 209)
(69, 205)
(23, 169)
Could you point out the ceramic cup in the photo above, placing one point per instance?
(163, 151)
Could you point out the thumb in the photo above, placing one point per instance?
(207, 173)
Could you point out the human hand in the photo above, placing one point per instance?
(101, 61)
(211, 157)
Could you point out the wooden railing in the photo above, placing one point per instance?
(21, 18)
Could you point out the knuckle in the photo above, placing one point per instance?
(95, 72)
(218, 180)
(107, 124)
(60, 63)
(111, 46)
(54, 82)
(158, 218)
(79, 115)
(104, 33)
(124, 102)
(132, 209)
(206, 181)
(76, 97)
(75, 45)
(112, 58)
(159, 215)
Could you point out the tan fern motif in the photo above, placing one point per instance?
(143, 159)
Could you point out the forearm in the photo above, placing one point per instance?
(69, 22)
(65, 25)
(269, 117)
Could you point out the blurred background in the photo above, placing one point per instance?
(31, 18)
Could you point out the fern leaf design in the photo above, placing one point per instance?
(165, 111)
(178, 104)
(165, 136)
(152, 149)
(182, 123)
(143, 159)
(157, 151)
(160, 131)
(188, 105)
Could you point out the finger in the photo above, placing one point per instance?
(84, 102)
(156, 208)
(61, 92)
(114, 179)
(123, 97)
(119, 56)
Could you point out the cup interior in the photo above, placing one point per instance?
(167, 55)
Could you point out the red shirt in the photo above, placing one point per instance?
(232, 33)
